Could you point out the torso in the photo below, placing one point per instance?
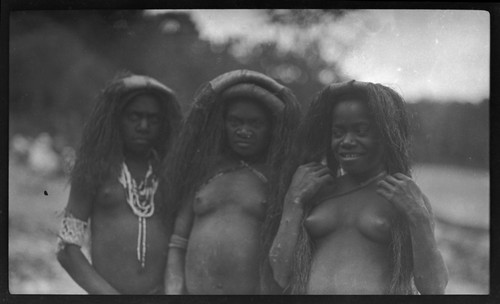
(114, 231)
(224, 245)
(352, 238)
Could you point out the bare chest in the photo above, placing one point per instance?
(236, 191)
(111, 198)
(363, 211)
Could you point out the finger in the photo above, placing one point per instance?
(384, 193)
(305, 168)
(308, 165)
(326, 179)
(317, 166)
(312, 166)
(402, 176)
(383, 184)
(407, 180)
(327, 173)
(389, 197)
(392, 180)
(323, 171)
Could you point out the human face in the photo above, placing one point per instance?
(248, 128)
(140, 124)
(355, 141)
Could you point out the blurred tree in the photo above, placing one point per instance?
(168, 47)
(60, 60)
(451, 132)
(303, 17)
(53, 76)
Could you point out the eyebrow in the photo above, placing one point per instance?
(360, 122)
(142, 112)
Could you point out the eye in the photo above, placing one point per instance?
(133, 116)
(337, 132)
(232, 121)
(154, 119)
(362, 130)
(257, 123)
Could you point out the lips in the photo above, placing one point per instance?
(348, 156)
(243, 144)
(140, 141)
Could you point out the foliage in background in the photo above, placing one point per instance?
(451, 133)
(60, 60)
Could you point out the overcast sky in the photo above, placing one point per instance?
(438, 54)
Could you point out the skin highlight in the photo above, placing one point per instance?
(360, 234)
(123, 127)
(232, 144)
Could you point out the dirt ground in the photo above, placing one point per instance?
(460, 199)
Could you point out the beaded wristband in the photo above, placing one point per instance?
(177, 241)
(72, 231)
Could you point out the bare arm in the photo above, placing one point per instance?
(281, 253)
(174, 274)
(430, 273)
(72, 258)
(306, 181)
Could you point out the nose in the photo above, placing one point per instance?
(143, 124)
(348, 141)
(243, 133)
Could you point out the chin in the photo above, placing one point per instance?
(244, 155)
(353, 169)
(139, 150)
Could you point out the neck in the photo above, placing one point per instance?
(137, 157)
(363, 177)
(251, 160)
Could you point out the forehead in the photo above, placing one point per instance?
(246, 107)
(351, 109)
(143, 103)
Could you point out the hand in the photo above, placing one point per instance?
(307, 180)
(406, 196)
(174, 286)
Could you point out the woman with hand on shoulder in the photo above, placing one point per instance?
(369, 230)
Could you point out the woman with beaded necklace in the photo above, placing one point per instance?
(115, 194)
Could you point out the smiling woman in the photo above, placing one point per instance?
(369, 230)
(355, 142)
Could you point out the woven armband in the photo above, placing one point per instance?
(178, 242)
(72, 231)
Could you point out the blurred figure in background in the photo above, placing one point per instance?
(114, 190)
(368, 231)
(19, 148)
(42, 158)
(225, 164)
(42, 155)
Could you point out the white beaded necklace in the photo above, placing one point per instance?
(141, 199)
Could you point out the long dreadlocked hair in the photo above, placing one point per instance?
(202, 139)
(387, 109)
(101, 149)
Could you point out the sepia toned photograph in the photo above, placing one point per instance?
(249, 151)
